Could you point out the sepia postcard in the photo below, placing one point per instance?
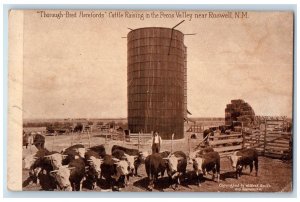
(150, 101)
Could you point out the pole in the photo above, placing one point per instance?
(172, 143)
(53, 140)
(139, 141)
(89, 139)
(72, 138)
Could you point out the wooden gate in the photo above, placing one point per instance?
(271, 139)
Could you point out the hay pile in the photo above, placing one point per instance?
(239, 110)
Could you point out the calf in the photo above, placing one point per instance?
(242, 158)
(207, 162)
(176, 166)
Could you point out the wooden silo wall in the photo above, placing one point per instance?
(156, 81)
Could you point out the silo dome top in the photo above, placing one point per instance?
(160, 32)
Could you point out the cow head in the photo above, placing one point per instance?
(81, 152)
(131, 160)
(56, 159)
(198, 165)
(29, 161)
(172, 164)
(122, 167)
(95, 164)
(62, 175)
(234, 161)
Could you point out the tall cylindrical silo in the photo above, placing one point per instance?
(155, 80)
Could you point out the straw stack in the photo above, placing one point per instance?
(239, 110)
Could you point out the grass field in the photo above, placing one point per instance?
(273, 176)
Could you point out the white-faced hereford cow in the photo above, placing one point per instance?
(176, 166)
(207, 162)
(243, 158)
(113, 170)
(199, 153)
(93, 171)
(70, 177)
(139, 156)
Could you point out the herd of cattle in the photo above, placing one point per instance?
(68, 169)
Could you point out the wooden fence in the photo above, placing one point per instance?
(139, 138)
(226, 144)
(270, 140)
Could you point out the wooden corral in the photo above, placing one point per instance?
(270, 139)
(226, 144)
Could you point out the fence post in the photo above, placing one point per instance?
(139, 141)
(72, 138)
(53, 140)
(89, 139)
(265, 137)
(172, 142)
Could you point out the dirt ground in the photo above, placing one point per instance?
(273, 175)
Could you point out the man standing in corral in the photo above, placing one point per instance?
(156, 142)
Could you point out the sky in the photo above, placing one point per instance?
(76, 67)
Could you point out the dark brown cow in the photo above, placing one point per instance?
(243, 158)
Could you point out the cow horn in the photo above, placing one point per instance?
(115, 159)
(71, 168)
(53, 171)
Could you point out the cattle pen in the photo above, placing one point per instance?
(279, 180)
